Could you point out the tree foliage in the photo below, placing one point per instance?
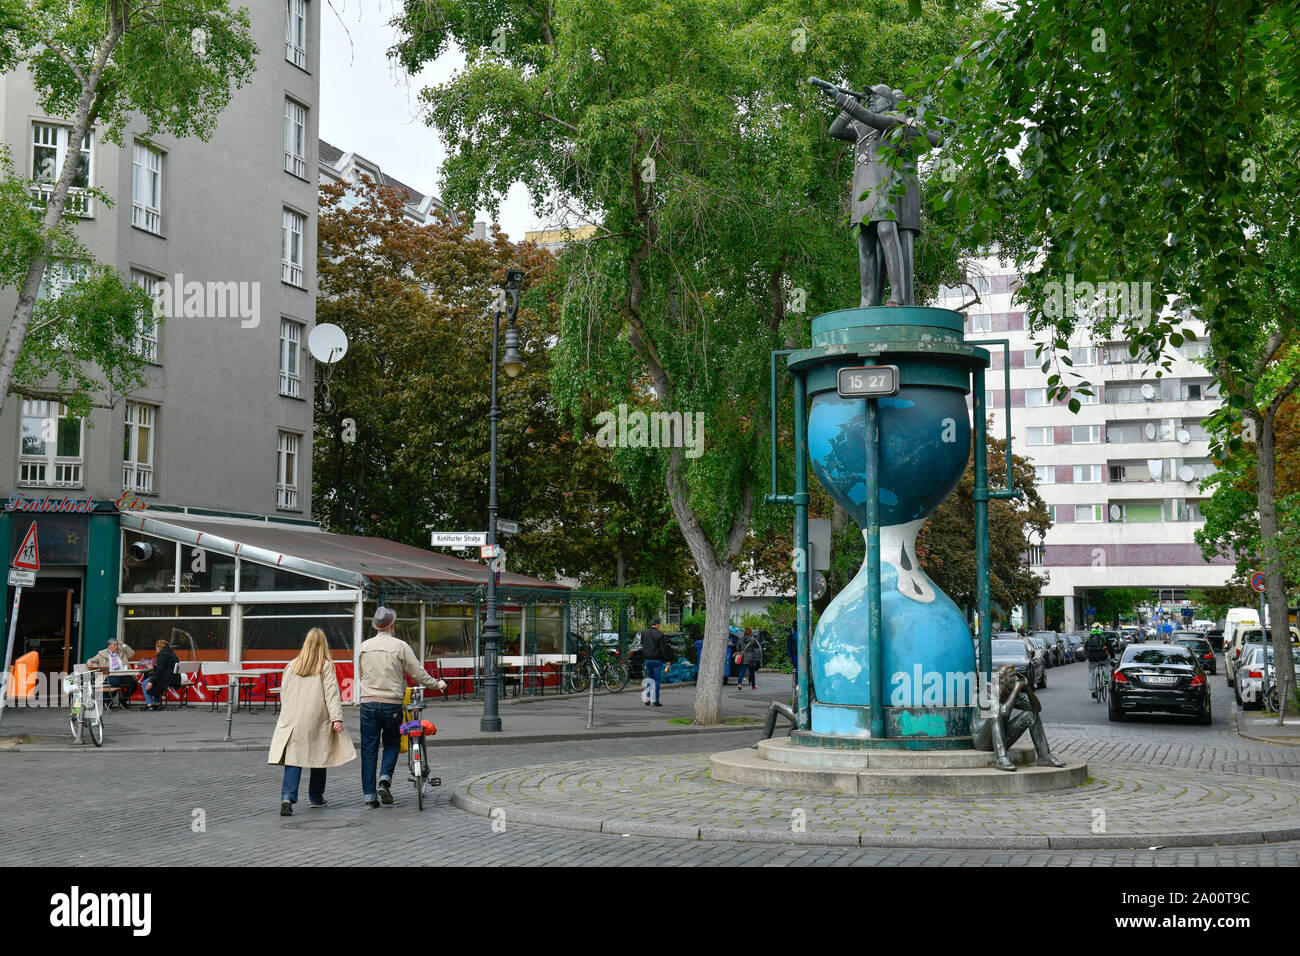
(687, 132)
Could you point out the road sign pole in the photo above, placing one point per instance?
(5, 681)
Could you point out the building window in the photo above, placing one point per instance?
(49, 152)
(146, 337)
(295, 32)
(1045, 474)
(1083, 356)
(1086, 399)
(1040, 436)
(295, 139)
(137, 448)
(1087, 474)
(290, 359)
(146, 189)
(286, 486)
(1087, 514)
(1035, 397)
(291, 250)
(50, 446)
(1085, 434)
(981, 323)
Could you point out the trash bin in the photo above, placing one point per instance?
(726, 665)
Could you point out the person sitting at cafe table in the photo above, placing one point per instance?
(162, 678)
(114, 658)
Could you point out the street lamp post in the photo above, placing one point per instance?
(491, 720)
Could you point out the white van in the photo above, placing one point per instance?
(1237, 617)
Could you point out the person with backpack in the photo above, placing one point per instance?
(1098, 651)
(656, 651)
(749, 655)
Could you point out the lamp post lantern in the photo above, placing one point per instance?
(491, 720)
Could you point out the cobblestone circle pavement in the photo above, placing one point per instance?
(1125, 804)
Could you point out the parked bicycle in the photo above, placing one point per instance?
(417, 757)
(85, 708)
(593, 665)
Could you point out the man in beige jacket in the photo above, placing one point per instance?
(114, 658)
(383, 663)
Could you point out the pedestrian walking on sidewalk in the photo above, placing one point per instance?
(383, 664)
(310, 730)
(655, 651)
(750, 652)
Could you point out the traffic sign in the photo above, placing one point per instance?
(27, 557)
(1257, 582)
(18, 578)
(507, 527)
(871, 380)
(459, 539)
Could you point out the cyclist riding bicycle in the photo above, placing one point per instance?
(1099, 651)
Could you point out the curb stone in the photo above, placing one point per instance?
(1236, 726)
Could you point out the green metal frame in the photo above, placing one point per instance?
(797, 364)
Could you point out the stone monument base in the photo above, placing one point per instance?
(783, 764)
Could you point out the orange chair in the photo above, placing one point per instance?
(23, 676)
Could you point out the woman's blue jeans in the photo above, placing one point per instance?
(315, 785)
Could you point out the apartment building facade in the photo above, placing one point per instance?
(1121, 477)
(223, 232)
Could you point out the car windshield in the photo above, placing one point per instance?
(1167, 654)
(1008, 649)
(1185, 635)
(1197, 645)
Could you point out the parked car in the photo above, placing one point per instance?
(1054, 656)
(1248, 686)
(1159, 678)
(1243, 637)
(1077, 641)
(1040, 644)
(1200, 648)
(1132, 635)
(1019, 653)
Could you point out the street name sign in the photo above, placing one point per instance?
(459, 539)
(18, 578)
(507, 527)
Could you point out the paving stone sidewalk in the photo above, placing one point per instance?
(1130, 804)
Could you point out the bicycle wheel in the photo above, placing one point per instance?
(77, 719)
(417, 748)
(1272, 700)
(580, 679)
(97, 730)
(1103, 685)
(616, 677)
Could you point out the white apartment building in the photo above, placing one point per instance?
(1121, 477)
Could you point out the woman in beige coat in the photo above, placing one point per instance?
(310, 731)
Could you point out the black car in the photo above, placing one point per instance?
(1215, 636)
(1159, 678)
(1199, 647)
(1016, 651)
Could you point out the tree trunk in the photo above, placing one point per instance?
(1266, 487)
(717, 620)
(22, 315)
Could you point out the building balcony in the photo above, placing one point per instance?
(80, 203)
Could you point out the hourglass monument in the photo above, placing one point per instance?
(890, 690)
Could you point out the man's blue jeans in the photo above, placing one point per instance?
(655, 671)
(315, 785)
(379, 720)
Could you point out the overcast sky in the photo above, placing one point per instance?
(369, 107)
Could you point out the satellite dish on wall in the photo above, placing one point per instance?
(327, 343)
(1184, 435)
(1156, 466)
(1151, 431)
(1148, 391)
(1185, 473)
(1116, 512)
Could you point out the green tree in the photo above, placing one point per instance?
(1099, 145)
(172, 62)
(689, 132)
(1110, 604)
(414, 302)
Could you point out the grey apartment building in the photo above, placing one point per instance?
(223, 423)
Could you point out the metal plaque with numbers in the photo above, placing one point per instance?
(873, 380)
